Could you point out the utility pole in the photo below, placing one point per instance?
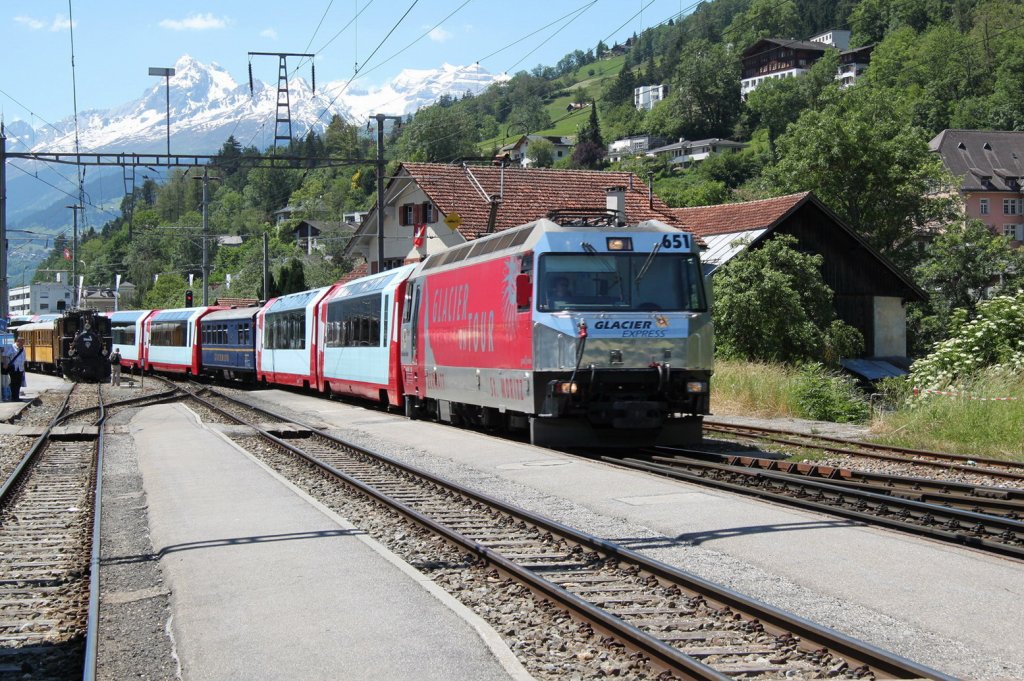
(74, 256)
(380, 118)
(266, 267)
(4, 302)
(206, 232)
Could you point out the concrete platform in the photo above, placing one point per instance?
(941, 605)
(37, 385)
(266, 583)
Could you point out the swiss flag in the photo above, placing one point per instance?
(419, 234)
(67, 254)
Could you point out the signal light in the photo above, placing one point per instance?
(188, 297)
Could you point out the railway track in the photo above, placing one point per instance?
(47, 551)
(676, 621)
(914, 462)
(884, 501)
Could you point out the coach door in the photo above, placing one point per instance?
(410, 336)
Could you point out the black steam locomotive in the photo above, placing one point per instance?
(85, 342)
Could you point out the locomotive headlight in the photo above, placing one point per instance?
(620, 243)
(696, 387)
(565, 388)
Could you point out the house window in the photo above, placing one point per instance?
(1013, 206)
(405, 214)
(429, 212)
(983, 203)
(1015, 232)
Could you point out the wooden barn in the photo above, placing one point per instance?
(870, 291)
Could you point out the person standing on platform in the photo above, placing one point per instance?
(115, 367)
(15, 355)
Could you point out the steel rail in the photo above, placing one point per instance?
(33, 451)
(154, 398)
(93, 618)
(811, 634)
(954, 517)
(943, 460)
(1005, 500)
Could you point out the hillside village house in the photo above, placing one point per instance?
(517, 152)
(635, 145)
(990, 165)
(486, 199)
(646, 96)
(870, 291)
(773, 58)
(685, 153)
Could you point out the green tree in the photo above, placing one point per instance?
(167, 292)
(962, 264)
(706, 94)
(763, 19)
(438, 135)
(772, 304)
(861, 159)
(540, 153)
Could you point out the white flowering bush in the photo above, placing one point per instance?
(992, 342)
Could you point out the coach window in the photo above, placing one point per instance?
(169, 334)
(122, 334)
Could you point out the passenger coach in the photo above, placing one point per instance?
(359, 343)
(286, 339)
(229, 344)
(173, 341)
(127, 329)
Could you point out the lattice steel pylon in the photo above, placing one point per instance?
(283, 119)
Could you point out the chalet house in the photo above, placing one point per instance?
(870, 292)
(770, 58)
(685, 153)
(852, 65)
(517, 151)
(429, 207)
(646, 96)
(990, 165)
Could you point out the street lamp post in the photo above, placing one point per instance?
(166, 73)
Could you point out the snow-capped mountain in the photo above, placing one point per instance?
(207, 105)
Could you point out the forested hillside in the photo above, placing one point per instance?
(936, 64)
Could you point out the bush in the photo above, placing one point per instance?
(825, 396)
(994, 339)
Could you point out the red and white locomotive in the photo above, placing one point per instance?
(587, 335)
(583, 331)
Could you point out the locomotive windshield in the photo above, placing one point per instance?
(621, 282)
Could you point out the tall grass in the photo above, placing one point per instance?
(753, 389)
(975, 427)
(983, 428)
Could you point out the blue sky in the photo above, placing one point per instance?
(115, 41)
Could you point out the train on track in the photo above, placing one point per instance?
(74, 344)
(580, 330)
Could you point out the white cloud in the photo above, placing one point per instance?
(60, 23)
(268, 33)
(196, 22)
(439, 35)
(34, 24)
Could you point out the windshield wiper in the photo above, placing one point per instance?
(648, 262)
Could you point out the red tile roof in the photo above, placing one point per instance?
(529, 193)
(736, 217)
(360, 270)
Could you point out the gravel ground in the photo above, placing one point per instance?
(134, 640)
(892, 634)
(135, 615)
